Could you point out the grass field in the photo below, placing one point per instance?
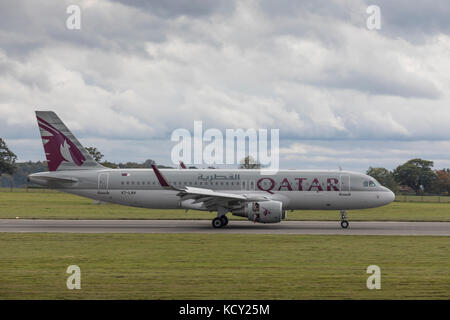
(45, 204)
(414, 198)
(187, 266)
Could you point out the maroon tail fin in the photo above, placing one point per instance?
(62, 149)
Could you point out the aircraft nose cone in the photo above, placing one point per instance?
(391, 196)
(388, 196)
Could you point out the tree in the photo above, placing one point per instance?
(97, 155)
(26, 168)
(148, 163)
(249, 163)
(383, 176)
(109, 164)
(7, 159)
(442, 182)
(416, 174)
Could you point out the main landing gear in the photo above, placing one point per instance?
(221, 220)
(344, 222)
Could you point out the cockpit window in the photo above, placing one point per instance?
(369, 184)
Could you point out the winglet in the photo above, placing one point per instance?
(162, 181)
(182, 165)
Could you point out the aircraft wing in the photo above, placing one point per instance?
(210, 193)
(209, 197)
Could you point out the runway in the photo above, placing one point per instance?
(234, 227)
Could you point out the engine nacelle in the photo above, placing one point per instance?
(263, 212)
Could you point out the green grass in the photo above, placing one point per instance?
(414, 198)
(217, 266)
(45, 204)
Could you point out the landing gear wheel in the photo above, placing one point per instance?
(224, 220)
(344, 224)
(217, 223)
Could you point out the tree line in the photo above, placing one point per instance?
(414, 176)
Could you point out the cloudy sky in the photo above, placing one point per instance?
(341, 94)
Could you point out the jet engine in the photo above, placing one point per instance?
(262, 211)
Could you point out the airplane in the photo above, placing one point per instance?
(242, 192)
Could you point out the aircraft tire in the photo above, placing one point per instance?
(344, 224)
(217, 223)
(224, 220)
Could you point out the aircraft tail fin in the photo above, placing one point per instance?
(62, 149)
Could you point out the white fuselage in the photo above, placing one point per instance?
(296, 189)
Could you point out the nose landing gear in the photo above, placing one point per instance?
(344, 222)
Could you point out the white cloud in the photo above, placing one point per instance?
(137, 71)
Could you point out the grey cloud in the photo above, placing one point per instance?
(405, 85)
(342, 10)
(175, 8)
(414, 21)
(224, 62)
(26, 27)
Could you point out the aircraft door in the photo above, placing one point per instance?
(103, 183)
(344, 189)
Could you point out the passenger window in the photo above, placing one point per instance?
(366, 184)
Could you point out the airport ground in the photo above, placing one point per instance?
(217, 266)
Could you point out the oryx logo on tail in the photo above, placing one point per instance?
(58, 148)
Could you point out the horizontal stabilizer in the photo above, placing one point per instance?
(41, 178)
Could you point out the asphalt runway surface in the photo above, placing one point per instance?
(234, 227)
